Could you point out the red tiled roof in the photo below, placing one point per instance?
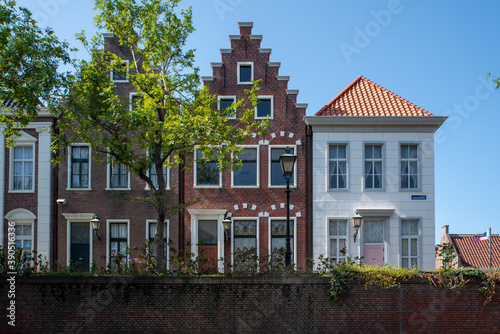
(365, 98)
(475, 253)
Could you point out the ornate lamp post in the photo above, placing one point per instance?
(287, 162)
(96, 225)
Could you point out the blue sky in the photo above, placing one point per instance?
(436, 54)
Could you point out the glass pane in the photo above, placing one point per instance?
(245, 227)
(414, 262)
(377, 181)
(207, 232)
(333, 167)
(404, 181)
(414, 227)
(413, 151)
(377, 151)
(333, 181)
(245, 73)
(342, 227)
(405, 230)
(75, 168)
(28, 168)
(342, 247)
(342, 182)
(27, 230)
(333, 248)
(278, 227)
(264, 108)
(84, 152)
(28, 183)
(85, 168)
(80, 233)
(368, 167)
(413, 244)
(244, 244)
(333, 227)
(114, 248)
(404, 167)
(18, 168)
(278, 246)
(277, 178)
(413, 181)
(333, 151)
(76, 153)
(368, 151)
(368, 182)
(404, 152)
(225, 103)
(342, 167)
(18, 153)
(404, 263)
(377, 167)
(122, 230)
(27, 245)
(404, 247)
(75, 181)
(152, 231)
(373, 231)
(413, 167)
(342, 151)
(84, 181)
(247, 174)
(28, 153)
(18, 230)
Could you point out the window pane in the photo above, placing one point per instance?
(277, 178)
(404, 152)
(245, 227)
(333, 248)
(413, 167)
(18, 168)
(413, 227)
(342, 227)
(413, 151)
(207, 232)
(333, 151)
(405, 230)
(342, 247)
(404, 181)
(377, 181)
(413, 244)
(18, 153)
(413, 181)
(84, 151)
(76, 153)
(342, 151)
(75, 168)
(342, 167)
(404, 247)
(264, 108)
(377, 151)
(225, 104)
(247, 174)
(414, 262)
(374, 232)
(245, 73)
(368, 181)
(28, 168)
(278, 227)
(333, 227)
(368, 151)
(404, 263)
(342, 182)
(377, 167)
(333, 181)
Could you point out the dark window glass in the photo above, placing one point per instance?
(207, 232)
(245, 73)
(118, 176)
(119, 71)
(118, 242)
(207, 174)
(278, 237)
(224, 104)
(247, 174)
(264, 108)
(79, 167)
(277, 178)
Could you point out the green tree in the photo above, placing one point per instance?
(29, 76)
(171, 118)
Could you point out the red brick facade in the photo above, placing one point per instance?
(263, 202)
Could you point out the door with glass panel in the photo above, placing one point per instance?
(207, 244)
(80, 246)
(373, 240)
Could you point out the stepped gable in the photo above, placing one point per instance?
(365, 98)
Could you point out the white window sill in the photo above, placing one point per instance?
(120, 81)
(79, 189)
(282, 187)
(210, 187)
(246, 187)
(119, 189)
(21, 191)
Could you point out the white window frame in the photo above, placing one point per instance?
(419, 167)
(167, 175)
(409, 237)
(131, 96)
(382, 160)
(265, 97)
(111, 73)
(108, 178)
(256, 219)
(167, 236)
(294, 147)
(196, 175)
(24, 140)
(329, 237)
(293, 220)
(226, 97)
(70, 170)
(108, 236)
(346, 144)
(251, 71)
(257, 185)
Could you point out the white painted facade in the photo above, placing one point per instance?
(389, 204)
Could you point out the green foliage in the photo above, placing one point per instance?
(446, 252)
(29, 68)
(171, 118)
(495, 81)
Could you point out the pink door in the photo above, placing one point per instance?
(374, 255)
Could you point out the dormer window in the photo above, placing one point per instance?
(245, 73)
(119, 71)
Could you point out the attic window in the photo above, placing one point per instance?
(245, 73)
(119, 71)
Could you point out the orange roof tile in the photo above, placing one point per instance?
(475, 253)
(365, 98)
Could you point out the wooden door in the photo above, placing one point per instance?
(207, 244)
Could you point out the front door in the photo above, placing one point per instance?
(207, 244)
(373, 236)
(80, 246)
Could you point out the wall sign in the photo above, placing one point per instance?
(419, 197)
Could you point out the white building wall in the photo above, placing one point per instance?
(342, 204)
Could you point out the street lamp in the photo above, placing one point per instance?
(287, 162)
(96, 224)
(227, 225)
(356, 223)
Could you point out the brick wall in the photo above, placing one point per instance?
(241, 305)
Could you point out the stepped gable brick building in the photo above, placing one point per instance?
(86, 189)
(470, 251)
(253, 196)
(26, 187)
(373, 154)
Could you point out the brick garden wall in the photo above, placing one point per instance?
(240, 305)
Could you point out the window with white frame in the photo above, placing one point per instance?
(245, 73)
(207, 173)
(118, 176)
(24, 238)
(119, 71)
(337, 230)
(276, 175)
(79, 166)
(23, 164)
(337, 166)
(224, 104)
(278, 238)
(409, 166)
(153, 175)
(409, 243)
(151, 226)
(247, 174)
(245, 241)
(118, 242)
(373, 166)
(135, 100)
(264, 107)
